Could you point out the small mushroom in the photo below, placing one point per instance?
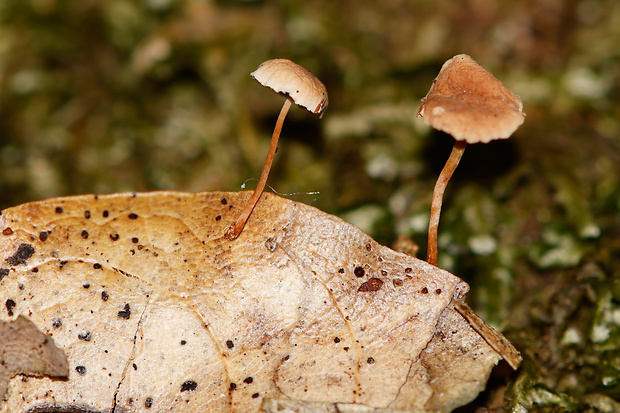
(472, 105)
(300, 87)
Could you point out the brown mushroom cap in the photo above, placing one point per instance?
(470, 103)
(289, 78)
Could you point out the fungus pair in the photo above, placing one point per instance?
(300, 87)
(465, 101)
(472, 105)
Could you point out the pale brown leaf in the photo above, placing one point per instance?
(157, 310)
(25, 350)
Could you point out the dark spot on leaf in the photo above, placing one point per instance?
(372, 285)
(35, 269)
(59, 210)
(255, 396)
(397, 282)
(438, 291)
(135, 366)
(3, 273)
(230, 344)
(345, 348)
(104, 296)
(81, 370)
(114, 237)
(7, 231)
(336, 340)
(368, 247)
(10, 305)
(286, 358)
(106, 213)
(125, 313)
(217, 218)
(370, 360)
(341, 270)
(86, 285)
(84, 336)
(408, 270)
(135, 240)
(248, 380)
(148, 403)
(183, 342)
(43, 235)
(56, 322)
(424, 290)
(63, 263)
(87, 214)
(133, 216)
(271, 244)
(24, 252)
(359, 272)
(84, 234)
(189, 385)
(224, 201)
(232, 387)
(97, 266)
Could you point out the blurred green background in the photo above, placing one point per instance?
(100, 96)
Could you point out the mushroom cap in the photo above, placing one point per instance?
(470, 103)
(293, 80)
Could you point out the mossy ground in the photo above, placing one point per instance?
(104, 96)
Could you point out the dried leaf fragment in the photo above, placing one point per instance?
(296, 406)
(496, 340)
(26, 350)
(178, 317)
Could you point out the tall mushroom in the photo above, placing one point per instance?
(300, 87)
(469, 103)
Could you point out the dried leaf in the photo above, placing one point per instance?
(295, 406)
(156, 309)
(26, 350)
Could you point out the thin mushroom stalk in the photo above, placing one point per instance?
(235, 230)
(301, 88)
(438, 191)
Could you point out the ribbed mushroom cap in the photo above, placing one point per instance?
(470, 103)
(289, 78)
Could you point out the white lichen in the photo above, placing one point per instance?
(600, 333)
(571, 336)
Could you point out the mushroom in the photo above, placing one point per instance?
(300, 87)
(472, 105)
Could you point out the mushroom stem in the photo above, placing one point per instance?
(440, 187)
(235, 230)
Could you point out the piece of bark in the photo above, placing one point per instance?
(157, 310)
